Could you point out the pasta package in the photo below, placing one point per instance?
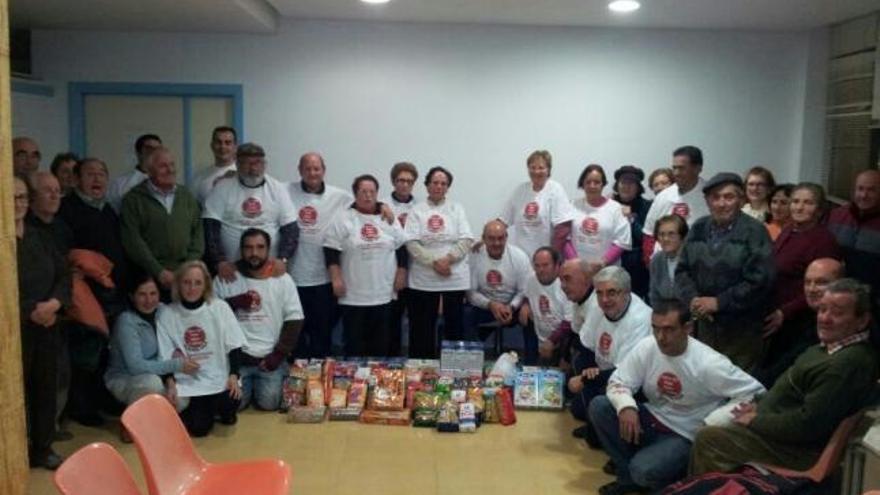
(389, 393)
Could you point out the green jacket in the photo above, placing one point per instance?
(155, 240)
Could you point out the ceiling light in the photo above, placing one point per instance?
(622, 6)
(375, 1)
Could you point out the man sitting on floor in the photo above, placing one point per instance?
(790, 425)
(684, 380)
(271, 317)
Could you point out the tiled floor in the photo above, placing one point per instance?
(538, 455)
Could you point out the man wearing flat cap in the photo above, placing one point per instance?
(725, 273)
(252, 200)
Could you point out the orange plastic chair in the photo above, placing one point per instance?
(96, 469)
(173, 467)
(830, 457)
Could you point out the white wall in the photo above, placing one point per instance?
(478, 99)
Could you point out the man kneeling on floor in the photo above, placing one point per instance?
(790, 425)
(271, 317)
(684, 380)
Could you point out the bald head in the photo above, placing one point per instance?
(575, 279)
(818, 275)
(161, 168)
(495, 238)
(866, 192)
(47, 194)
(312, 169)
(25, 155)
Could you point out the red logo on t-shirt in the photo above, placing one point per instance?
(681, 209)
(194, 339)
(590, 226)
(531, 210)
(605, 342)
(493, 278)
(402, 219)
(669, 385)
(256, 301)
(308, 215)
(369, 232)
(544, 304)
(436, 223)
(252, 207)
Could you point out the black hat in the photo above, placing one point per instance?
(630, 172)
(721, 179)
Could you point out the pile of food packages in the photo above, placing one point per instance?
(457, 393)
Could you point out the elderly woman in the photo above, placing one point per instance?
(44, 288)
(799, 244)
(759, 182)
(200, 327)
(135, 369)
(780, 210)
(660, 179)
(600, 232)
(438, 240)
(538, 212)
(367, 264)
(629, 192)
(670, 232)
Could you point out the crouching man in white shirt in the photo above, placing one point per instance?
(499, 273)
(270, 315)
(683, 380)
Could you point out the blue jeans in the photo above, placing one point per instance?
(659, 459)
(580, 402)
(263, 386)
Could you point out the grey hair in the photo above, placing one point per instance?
(616, 275)
(860, 292)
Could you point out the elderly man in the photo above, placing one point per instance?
(161, 222)
(725, 273)
(224, 141)
(499, 272)
(683, 198)
(683, 381)
(253, 200)
(790, 425)
(26, 155)
(546, 312)
(616, 320)
(856, 226)
(315, 203)
(143, 148)
(800, 333)
(271, 318)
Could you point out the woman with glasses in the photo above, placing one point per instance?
(759, 182)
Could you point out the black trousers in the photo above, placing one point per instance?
(199, 416)
(367, 330)
(40, 347)
(321, 314)
(398, 307)
(422, 307)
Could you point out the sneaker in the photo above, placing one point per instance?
(48, 459)
(580, 431)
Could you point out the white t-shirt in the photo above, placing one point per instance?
(532, 215)
(121, 185)
(314, 214)
(239, 208)
(207, 178)
(691, 206)
(681, 390)
(207, 335)
(438, 228)
(502, 280)
(612, 341)
(368, 261)
(549, 306)
(595, 229)
(400, 210)
(275, 301)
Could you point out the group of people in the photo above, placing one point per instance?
(663, 310)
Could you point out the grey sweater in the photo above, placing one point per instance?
(134, 350)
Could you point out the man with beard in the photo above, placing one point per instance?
(270, 315)
(252, 200)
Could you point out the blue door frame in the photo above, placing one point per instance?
(77, 92)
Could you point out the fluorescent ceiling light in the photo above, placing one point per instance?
(624, 6)
(375, 1)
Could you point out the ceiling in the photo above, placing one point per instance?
(262, 16)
